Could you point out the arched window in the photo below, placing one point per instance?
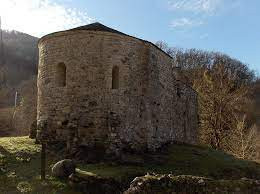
(178, 92)
(115, 77)
(61, 75)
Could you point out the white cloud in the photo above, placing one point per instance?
(196, 6)
(40, 17)
(185, 22)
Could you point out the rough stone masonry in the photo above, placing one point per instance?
(98, 86)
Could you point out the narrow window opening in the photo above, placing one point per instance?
(178, 92)
(115, 78)
(61, 75)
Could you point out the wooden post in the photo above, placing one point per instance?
(43, 161)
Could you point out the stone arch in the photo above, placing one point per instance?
(115, 77)
(61, 75)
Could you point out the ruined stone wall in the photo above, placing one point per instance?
(172, 105)
(144, 112)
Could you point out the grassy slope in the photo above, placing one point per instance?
(186, 160)
(20, 164)
(20, 168)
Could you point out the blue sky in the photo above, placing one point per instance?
(228, 26)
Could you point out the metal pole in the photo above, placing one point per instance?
(15, 99)
(15, 104)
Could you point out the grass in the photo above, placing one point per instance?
(185, 160)
(20, 167)
(204, 161)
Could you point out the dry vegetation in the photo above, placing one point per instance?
(228, 100)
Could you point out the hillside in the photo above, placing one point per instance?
(17, 74)
(20, 169)
(20, 63)
(21, 56)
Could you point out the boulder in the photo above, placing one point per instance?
(168, 184)
(90, 183)
(63, 168)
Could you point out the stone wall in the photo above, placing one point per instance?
(150, 107)
(172, 104)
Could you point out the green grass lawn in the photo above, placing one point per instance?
(20, 167)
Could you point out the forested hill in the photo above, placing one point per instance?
(21, 58)
(19, 64)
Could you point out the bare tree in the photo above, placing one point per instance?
(224, 86)
(244, 140)
(219, 102)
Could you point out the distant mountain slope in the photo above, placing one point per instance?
(21, 57)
